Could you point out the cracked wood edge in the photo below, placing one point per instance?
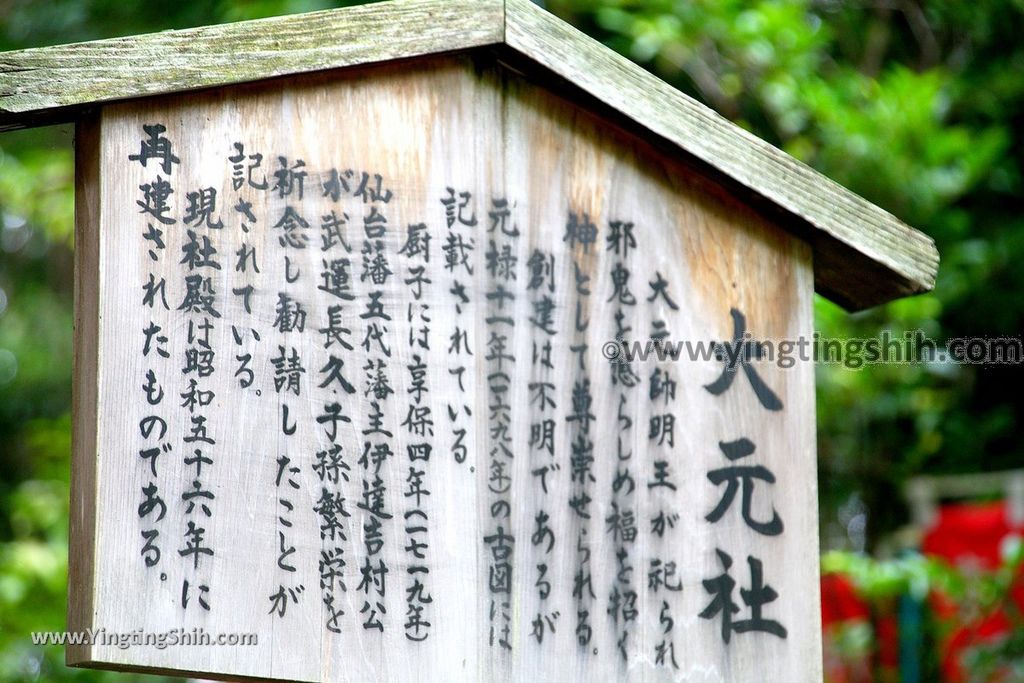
(45, 85)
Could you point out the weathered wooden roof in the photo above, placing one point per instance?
(863, 255)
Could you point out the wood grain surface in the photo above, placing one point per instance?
(558, 170)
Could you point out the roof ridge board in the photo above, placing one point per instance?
(38, 84)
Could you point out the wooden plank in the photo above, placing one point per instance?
(863, 255)
(45, 85)
(559, 171)
(85, 386)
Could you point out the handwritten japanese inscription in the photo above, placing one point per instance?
(355, 393)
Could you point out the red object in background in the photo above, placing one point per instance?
(841, 606)
(970, 535)
(966, 535)
(839, 601)
(887, 637)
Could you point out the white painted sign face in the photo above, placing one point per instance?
(359, 387)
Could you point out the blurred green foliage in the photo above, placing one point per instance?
(917, 106)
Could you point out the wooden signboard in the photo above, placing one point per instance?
(355, 373)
